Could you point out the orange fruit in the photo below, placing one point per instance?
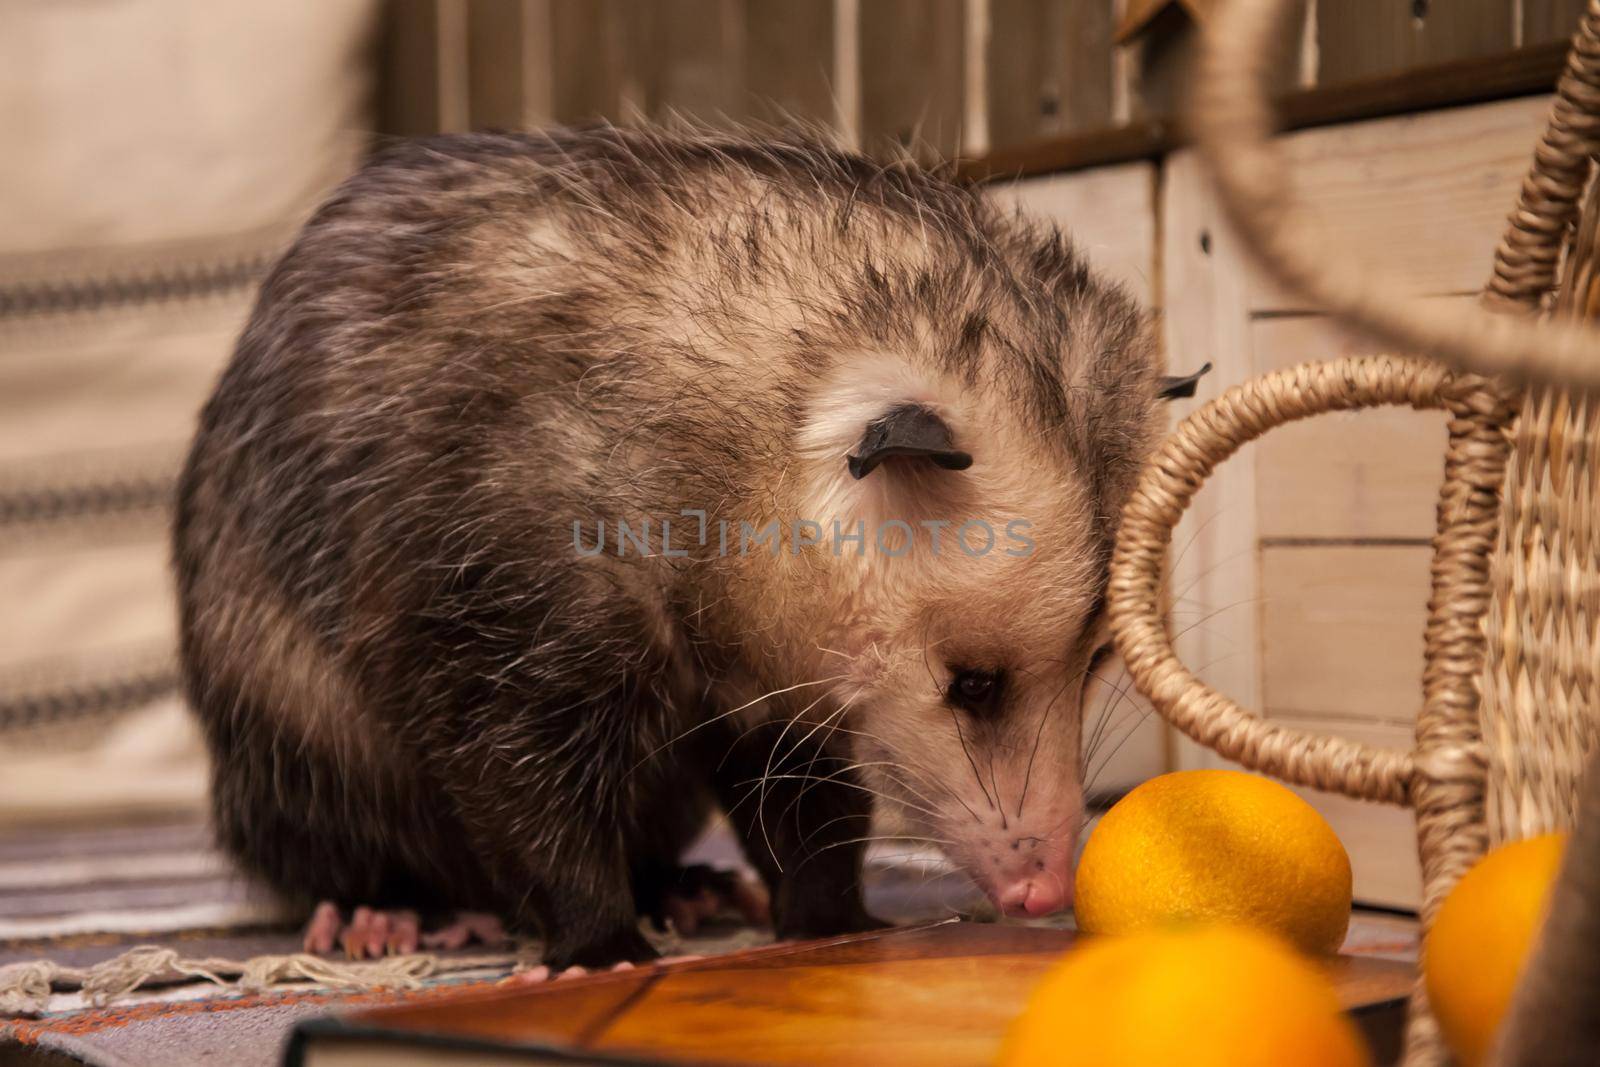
(1216, 846)
(1480, 938)
(1215, 997)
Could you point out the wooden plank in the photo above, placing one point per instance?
(1462, 29)
(688, 56)
(1362, 38)
(1425, 196)
(712, 62)
(912, 76)
(423, 83)
(1366, 474)
(409, 69)
(1214, 576)
(1142, 139)
(974, 77)
(500, 74)
(1163, 68)
(1109, 212)
(788, 60)
(1550, 20)
(1048, 69)
(635, 61)
(585, 59)
(1381, 839)
(1523, 72)
(628, 41)
(847, 71)
(1341, 631)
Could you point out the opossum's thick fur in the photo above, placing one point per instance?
(417, 691)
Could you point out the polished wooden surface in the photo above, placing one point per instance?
(936, 1010)
(939, 994)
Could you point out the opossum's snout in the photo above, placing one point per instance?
(1013, 820)
(985, 762)
(1040, 895)
(1025, 874)
(1024, 863)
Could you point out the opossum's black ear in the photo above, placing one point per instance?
(906, 430)
(1173, 388)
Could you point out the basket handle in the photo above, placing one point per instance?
(1233, 120)
(1193, 450)
(1529, 253)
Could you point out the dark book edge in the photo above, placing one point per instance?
(1382, 1023)
(327, 1029)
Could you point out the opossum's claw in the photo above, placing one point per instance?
(372, 933)
(405, 933)
(543, 973)
(323, 928)
(365, 934)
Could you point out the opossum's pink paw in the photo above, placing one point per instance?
(371, 933)
(703, 894)
(577, 971)
(542, 973)
(466, 927)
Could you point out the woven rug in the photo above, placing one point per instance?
(112, 903)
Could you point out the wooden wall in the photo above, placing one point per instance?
(942, 76)
(1305, 572)
(1362, 38)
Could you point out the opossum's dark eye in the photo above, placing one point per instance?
(976, 691)
(1098, 660)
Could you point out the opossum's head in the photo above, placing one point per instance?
(987, 484)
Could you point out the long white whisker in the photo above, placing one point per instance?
(718, 718)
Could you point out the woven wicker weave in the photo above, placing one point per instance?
(1541, 681)
(1511, 682)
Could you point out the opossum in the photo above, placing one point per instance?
(566, 487)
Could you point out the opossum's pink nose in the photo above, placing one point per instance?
(1043, 894)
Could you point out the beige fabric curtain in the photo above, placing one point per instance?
(155, 156)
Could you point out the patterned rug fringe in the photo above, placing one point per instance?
(25, 988)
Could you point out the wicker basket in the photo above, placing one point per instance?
(1511, 683)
